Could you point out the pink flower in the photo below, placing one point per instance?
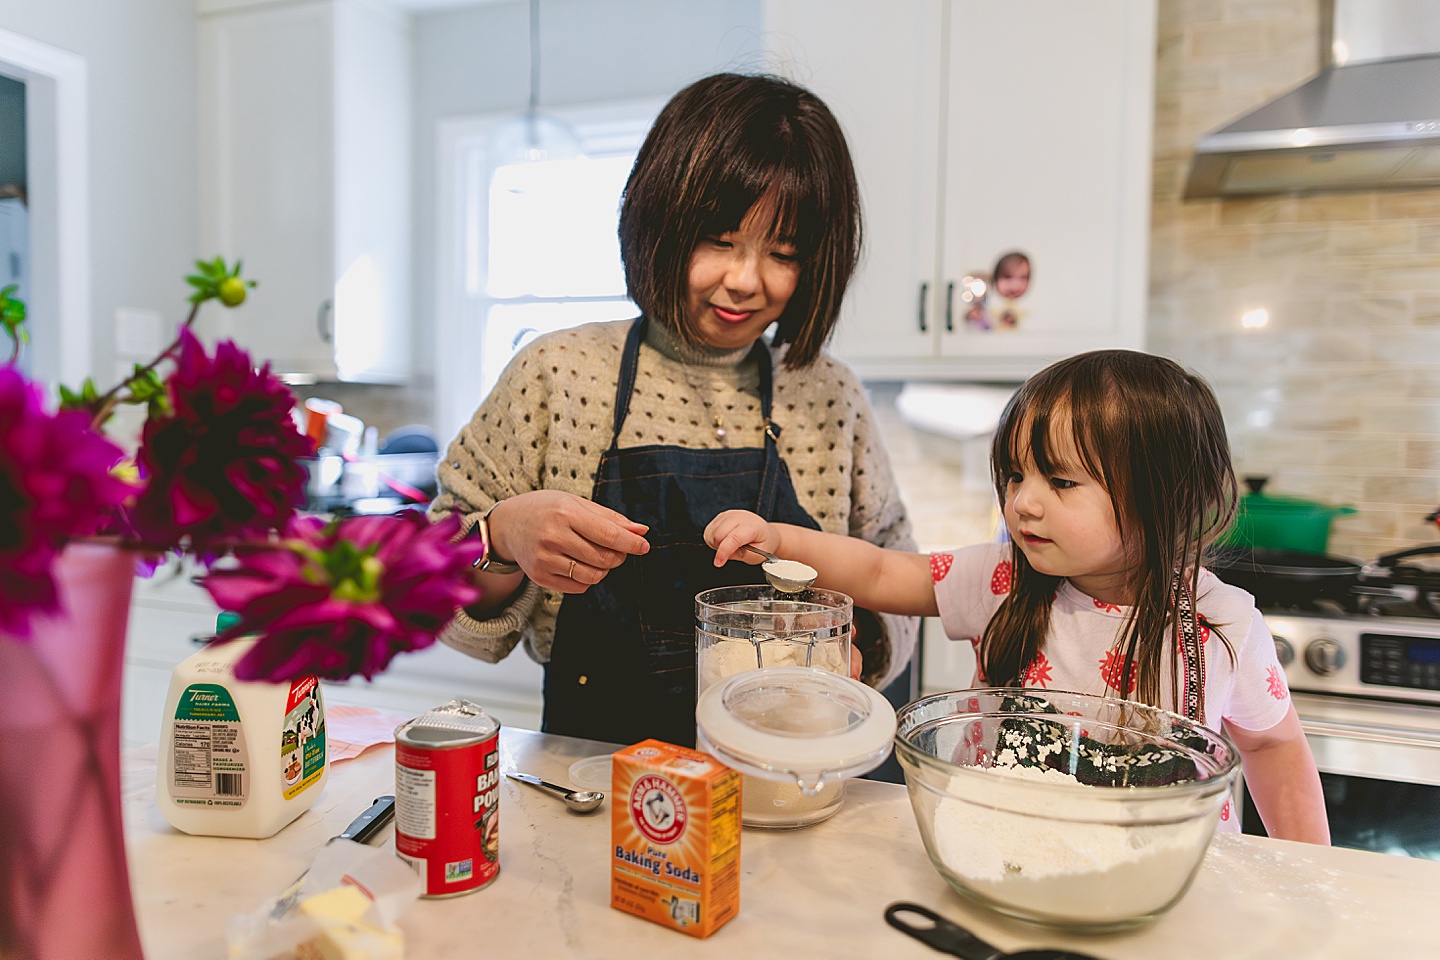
(343, 598)
(222, 464)
(55, 484)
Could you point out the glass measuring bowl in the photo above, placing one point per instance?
(750, 627)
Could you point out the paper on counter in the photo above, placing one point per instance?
(350, 731)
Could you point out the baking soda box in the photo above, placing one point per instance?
(675, 837)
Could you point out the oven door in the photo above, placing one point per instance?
(1380, 767)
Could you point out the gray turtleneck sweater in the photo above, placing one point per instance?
(549, 420)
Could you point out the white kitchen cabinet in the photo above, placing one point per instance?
(977, 128)
(305, 174)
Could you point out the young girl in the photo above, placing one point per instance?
(1115, 475)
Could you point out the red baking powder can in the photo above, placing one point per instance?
(447, 797)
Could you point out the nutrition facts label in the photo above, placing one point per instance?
(192, 754)
(415, 802)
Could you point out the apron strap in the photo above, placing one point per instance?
(770, 478)
(625, 382)
(625, 387)
(1194, 655)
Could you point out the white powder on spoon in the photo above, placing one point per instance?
(792, 570)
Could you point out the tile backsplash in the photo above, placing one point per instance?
(1337, 397)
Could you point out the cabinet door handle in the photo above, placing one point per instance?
(322, 321)
(924, 295)
(949, 307)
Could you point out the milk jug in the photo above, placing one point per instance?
(238, 758)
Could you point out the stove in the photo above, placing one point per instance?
(1366, 686)
(1387, 657)
(1360, 645)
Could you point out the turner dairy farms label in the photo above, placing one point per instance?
(302, 739)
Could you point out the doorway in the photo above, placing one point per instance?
(44, 220)
(14, 212)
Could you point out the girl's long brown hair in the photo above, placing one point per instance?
(1152, 434)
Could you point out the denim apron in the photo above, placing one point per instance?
(622, 665)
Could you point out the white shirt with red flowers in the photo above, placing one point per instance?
(1079, 653)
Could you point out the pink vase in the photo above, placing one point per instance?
(64, 887)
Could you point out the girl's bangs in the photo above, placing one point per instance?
(1026, 436)
(1045, 434)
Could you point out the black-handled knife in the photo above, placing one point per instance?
(364, 827)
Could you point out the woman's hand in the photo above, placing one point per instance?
(730, 532)
(562, 541)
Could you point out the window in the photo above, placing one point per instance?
(529, 248)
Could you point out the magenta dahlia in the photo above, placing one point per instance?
(344, 597)
(221, 464)
(55, 484)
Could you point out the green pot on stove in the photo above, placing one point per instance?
(1267, 522)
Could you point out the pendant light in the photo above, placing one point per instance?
(532, 137)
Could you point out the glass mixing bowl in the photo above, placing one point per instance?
(1061, 808)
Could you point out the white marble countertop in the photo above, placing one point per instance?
(818, 891)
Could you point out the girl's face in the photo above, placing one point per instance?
(1013, 281)
(740, 282)
(1065, 524)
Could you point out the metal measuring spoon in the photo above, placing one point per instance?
(580, 801)
(955, 940)
(779, 582)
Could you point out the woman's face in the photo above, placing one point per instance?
(740, 282)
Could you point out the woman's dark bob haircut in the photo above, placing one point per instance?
(717, 148)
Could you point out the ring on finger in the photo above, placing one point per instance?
(570, 574)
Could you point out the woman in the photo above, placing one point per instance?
(593, 467)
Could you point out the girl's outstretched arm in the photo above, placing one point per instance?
(886, 581)
(1283, 781)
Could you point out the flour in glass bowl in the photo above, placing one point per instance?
(1031, 860)
(724, 658)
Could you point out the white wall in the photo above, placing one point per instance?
(476, 60)
(143, 149)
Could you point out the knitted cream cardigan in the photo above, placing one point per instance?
(549, 420)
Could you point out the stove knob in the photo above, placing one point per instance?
(1284, 651)
(1324, 656)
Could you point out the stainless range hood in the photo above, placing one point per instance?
(1360, 126)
